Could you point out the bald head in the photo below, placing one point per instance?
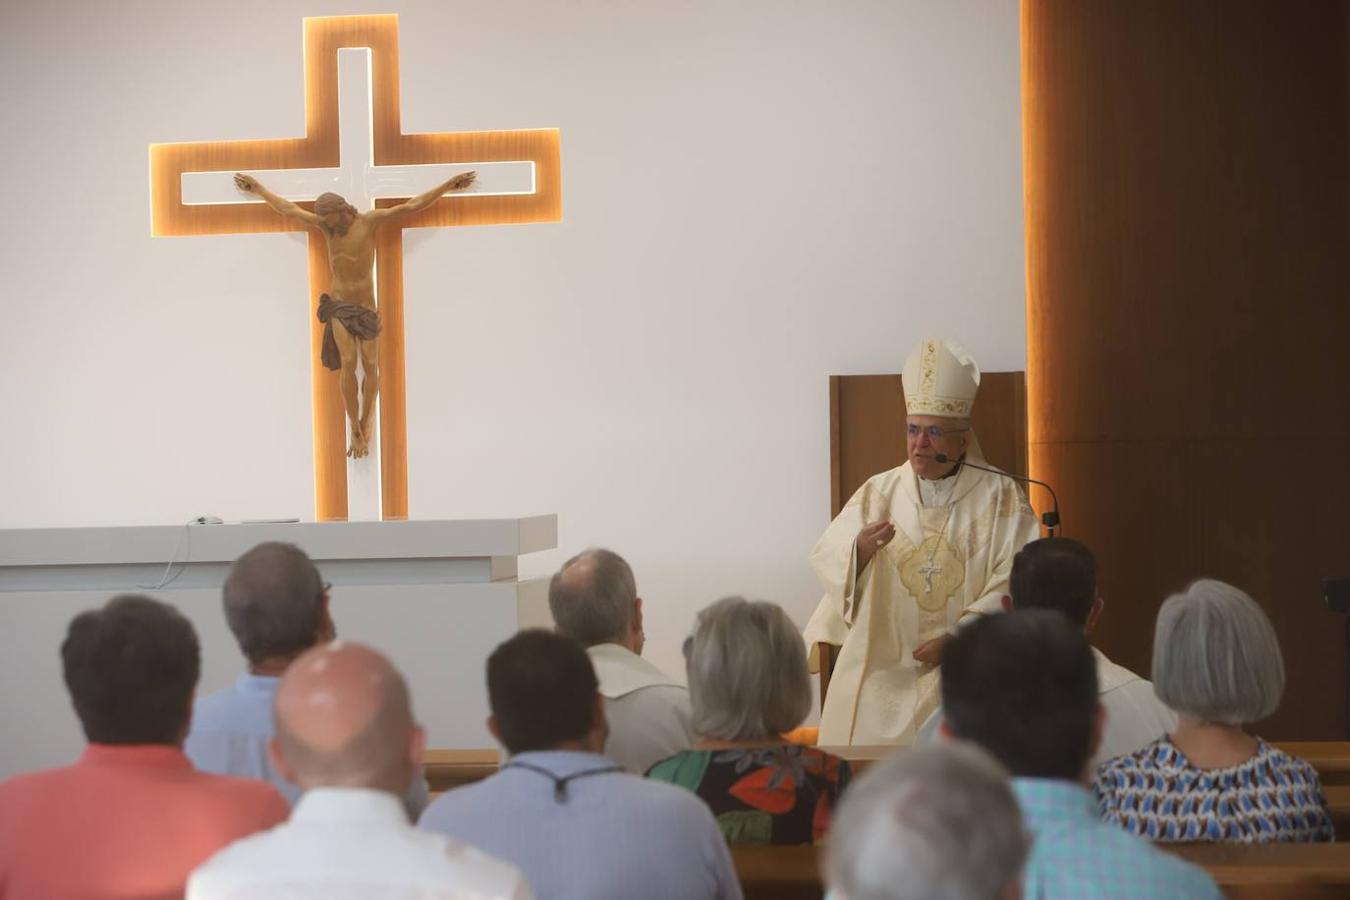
(344, 719)
(593, 598)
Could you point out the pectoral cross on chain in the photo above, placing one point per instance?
(928, 570)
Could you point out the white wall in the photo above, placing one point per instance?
(756, 195)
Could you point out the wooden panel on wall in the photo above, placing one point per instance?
(867, 427)
(1188, 219)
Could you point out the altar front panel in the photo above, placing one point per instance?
(436, 597)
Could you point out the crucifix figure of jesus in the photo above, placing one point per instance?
(351, 320)
(354, 145)
(928, 570)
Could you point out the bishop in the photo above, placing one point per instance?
(913, 552)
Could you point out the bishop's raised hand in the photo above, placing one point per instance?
(871, 539)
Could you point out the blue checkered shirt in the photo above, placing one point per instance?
(1075, 854)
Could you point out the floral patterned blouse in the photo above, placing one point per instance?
(1158, 794)
(764, 795)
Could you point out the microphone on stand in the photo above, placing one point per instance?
(1050, 519)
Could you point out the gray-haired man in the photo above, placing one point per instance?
(939, 822)
(594, 600)
(276, 605)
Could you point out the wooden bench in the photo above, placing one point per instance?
(1331, 759)
(1274, 871)
(1270, 872)
(779, 873)
(446, 769)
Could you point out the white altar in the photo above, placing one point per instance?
(436, 596)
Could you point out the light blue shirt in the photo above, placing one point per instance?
(610, 835)
(231, 730)
(1075, 854)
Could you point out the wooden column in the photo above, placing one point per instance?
(1188, 305)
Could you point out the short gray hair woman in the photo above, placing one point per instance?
(1216, 657)
(747, 671)
(748, 686)
(1217, 662)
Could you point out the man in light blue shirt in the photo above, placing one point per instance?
(1024, 686)
(276, 605)
(570, 818)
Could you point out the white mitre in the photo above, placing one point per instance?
(940, 379)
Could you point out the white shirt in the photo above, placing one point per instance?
(648, 712)
(937, 491)
(353, 843)
(1135, 717)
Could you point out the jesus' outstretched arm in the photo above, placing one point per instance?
(250, 185)
(460, 182)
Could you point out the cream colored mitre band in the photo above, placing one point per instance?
(939, 406)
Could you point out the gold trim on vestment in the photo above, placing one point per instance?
(928, 369)
(939, 406)
(924, 400)
(932, 573)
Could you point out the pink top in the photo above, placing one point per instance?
(123, 822)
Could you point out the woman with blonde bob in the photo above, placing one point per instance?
(1217, 663)
(748, 685)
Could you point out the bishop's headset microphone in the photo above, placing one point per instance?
(1050, 519)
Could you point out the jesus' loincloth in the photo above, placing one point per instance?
(360, 321)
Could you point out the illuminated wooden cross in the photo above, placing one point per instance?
(354, 145)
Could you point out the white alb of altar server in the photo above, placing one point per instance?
(648, 712)
(913, 551)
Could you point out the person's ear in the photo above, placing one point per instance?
(495, 730)
(635, 629)
(944, 730)
(279, 761)
(327, 629)
(417, 747)
(1094, 614)
(1007, 603)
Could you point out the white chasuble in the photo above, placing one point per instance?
(946, 561)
